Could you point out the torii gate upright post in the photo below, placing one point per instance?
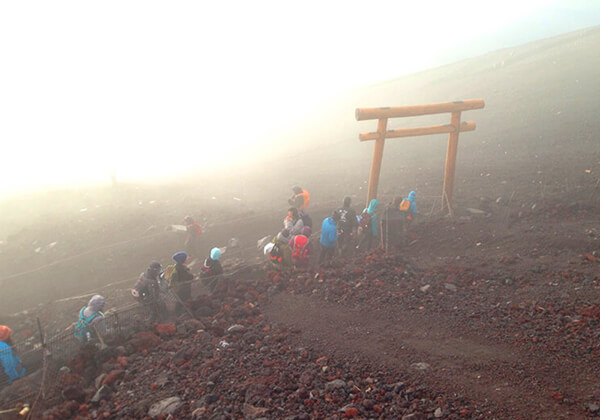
(454, 128)
(377, 158)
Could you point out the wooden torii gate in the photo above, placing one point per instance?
(455, 127)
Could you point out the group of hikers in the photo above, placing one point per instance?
(343, 233)
(150, 290)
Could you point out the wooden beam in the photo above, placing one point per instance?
(419, 131)
(447, 190)
(415, 110)
(377, 158)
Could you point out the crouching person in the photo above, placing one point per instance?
(279, 252)
(11, 364)
(212, 269)
(147, 292)
(301, 248)
(91, 325)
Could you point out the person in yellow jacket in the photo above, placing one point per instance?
(300, 199)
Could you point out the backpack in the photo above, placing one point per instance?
(276, 254)
(170, 274)
(306, 220)
(365, 220)
(405, 205)
(301, 248)
(81, 329)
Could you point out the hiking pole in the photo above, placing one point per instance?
(102, 344)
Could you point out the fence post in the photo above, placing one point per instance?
(118, 322)
(41, 333)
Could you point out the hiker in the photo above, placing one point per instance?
(346, 227)
(293, 222)
(11, 364)
(180, 280)
(409, 205)
(212, 269)
(392, 224)
(147, 292)
(91, 320)
(300, 199)
(193, 235)
(301, 248)
(367, 226)
(329, 236)
(278, 250)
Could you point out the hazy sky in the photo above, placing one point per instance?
(149, 88)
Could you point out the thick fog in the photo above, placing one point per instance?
(148, 91)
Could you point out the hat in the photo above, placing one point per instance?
(297, 189)
(180, 257)
(188, 219)
(215, 253)
(5, 333)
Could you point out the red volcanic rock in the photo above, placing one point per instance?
(350, 412)
(83, 409)
(145, 340)
(112, 376)
(70, 379)
(122, 361)
(166, 329)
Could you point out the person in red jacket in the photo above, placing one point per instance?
(192, 240)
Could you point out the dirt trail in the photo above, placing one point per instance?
(458, 362)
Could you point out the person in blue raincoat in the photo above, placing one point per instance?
(329, 236)
(11, 364)
(367, 226)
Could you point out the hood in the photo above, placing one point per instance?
(96, 303)
(373, 206)
(411, 196)
(5, 332)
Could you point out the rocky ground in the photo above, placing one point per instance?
(502, 324)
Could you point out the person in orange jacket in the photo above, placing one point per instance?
(300, 199)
